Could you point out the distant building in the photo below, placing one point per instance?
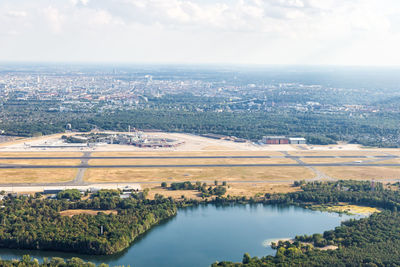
(275, 140)
(297, 141)
(279, 140)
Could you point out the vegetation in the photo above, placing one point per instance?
(30, 223)
(71, 194)
(370, 129)
(206, 191)
(371, 241)
(28, 261)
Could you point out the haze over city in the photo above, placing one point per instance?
(357, 32)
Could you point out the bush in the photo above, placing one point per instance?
(72, 194)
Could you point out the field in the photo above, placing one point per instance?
(395, 152)
(389, 161)
(354, 209)
(252, 189)
(362, 173)
(185, 153)
(36, 175)
(194, 174)
(190, 161)
(331, 160)
(233, 189)
(71, 213)
(338, 153)
(40, 154)
(33, 162)
(347, 208)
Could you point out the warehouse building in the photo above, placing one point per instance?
(297, 141)
(275, 140)
(280, 140)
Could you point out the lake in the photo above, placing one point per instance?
(199, 236)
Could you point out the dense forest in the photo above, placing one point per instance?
(380, 129)
(28, 261)
(36, 223)
(370, 241)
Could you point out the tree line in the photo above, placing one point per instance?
(380, 129)
(203, 188)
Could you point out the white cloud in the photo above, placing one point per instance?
(79, 2)
(14, 13)
(54, 18)
(244, 31)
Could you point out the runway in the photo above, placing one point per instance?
(160, 162)
(200, 157)
(16, 166)
(372, 161)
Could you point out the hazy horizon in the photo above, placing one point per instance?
(221, 32)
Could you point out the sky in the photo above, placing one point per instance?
(261, 32)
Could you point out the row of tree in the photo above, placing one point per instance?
(203, 188)
(28, 261)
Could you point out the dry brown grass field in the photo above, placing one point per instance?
(193, 174)
(216, 148)
(362, 173)
(196, 173)
(330, 160)
(337, 153)
(189, 161)
(185, 153)
(60, 162)
(353, 209)
(252, 189)
(395, 152)
(71, 213)
(389, 161)
(233, 189)
(175, 194)
(36, 175)
(40, 154)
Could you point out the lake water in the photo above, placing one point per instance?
(199, 236)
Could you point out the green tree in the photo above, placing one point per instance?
(246, 258)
